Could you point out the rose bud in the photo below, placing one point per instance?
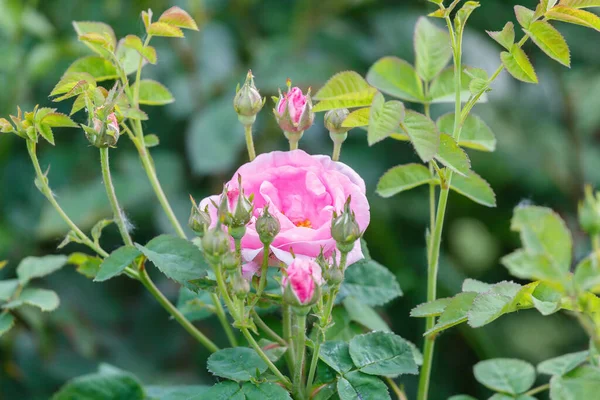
(243, 209)
(294, 113)
(230, 261)
(240, 286)
(247, 101)
(301, 282)
(104, 133)
(589, 212)
(345, 229)
(199, 220)
(267, 227)
(334, 120)
(216, 244)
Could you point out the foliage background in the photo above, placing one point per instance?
(547, 148)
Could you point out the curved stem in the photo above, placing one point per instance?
(397, 390)
(175, 313)
(286, 382)
(538, 389)
(337, 149)
(112, 197)
(300, 346)
(266, 329)
(250, 142)
(223, 319)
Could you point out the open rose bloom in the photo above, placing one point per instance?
(302, 192)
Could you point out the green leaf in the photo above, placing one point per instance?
(443, 88)
(6, 322)
(397, 78)
(475, 188)
(431, 309)
(194, 305)
(151, 140)
(129, 58)
(550, 41)
(177, 258)
(506, 37)
(546, 299)
(100, 68)
(70, 80)
(37, 267)
(344, 90)
(133, 113)
(524, 16)
(423, 134)
(452, 156)
(238, 364)
(99, 227)
(527, 265)
(7, 288)
(544, 232)
(370, 283)
(505, 375)
(384, 118)
(587, 274)
(357, 118)
(164, 29)
(472, 285)
(56, 120)
(116, 263)
(343, 328)
(44, 299)
(153, 93)
(87, 266)
(574, 16)
(518, 65)
(563, 364)
(580, 3)
(175, 16)
(582, 383)
(462, 397)
(432, 48)
(382, 353)
(336, 354)
(98, 36)
(502, 396)
(475, 134)
(454, 313)
(135, 43)
(192, 392)
(247, 391)
(488, 306)
(364, 315)
(402, 178)
(356, 385)
(105, 385)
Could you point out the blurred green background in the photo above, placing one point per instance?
(547, 148)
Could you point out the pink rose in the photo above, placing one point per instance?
(294, 111)
(303, 276)
(302, 191)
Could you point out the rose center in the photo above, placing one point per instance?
(304, 223)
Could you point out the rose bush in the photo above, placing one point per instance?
(302, 192)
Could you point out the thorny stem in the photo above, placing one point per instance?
(287, 335)
(435, 242)
(167, 305)
(286, 382)
(112, 197)
(300, 345)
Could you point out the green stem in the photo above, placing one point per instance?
(223, 319)
(287, 335)
(538, 389)
(397, 390)
(175, 313)
(112, 197)
(262, 283)
(433, 262)
(300, 345)
(286, 382)
(223, 290)
(596, 243)
(266, 329)
(250, 142)
(337, 149)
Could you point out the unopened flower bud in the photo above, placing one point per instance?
(267, 226)
(589, 212)
(293, 110)
(199, 220)
(334, 120)
(216, 244)
(243, 209)
(104, 133)
(247, 101)
(344, 229)
(230, 261)
(241, 286)
(301, 283)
